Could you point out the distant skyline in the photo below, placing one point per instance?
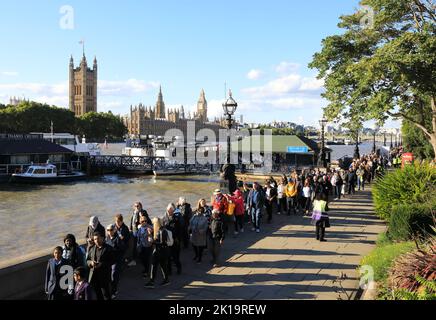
(260, 49)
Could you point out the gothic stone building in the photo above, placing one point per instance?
(83, 87)
(156, 121)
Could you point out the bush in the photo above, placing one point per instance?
(383, 256)
(408, 221)
(414, 184)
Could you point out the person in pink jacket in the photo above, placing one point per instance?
(239, 213)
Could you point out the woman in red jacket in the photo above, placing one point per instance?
(239, 212)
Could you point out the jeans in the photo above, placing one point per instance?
(307, 204)
(320, 230)
(115, 275)
(174, 257)
(360, 183)
(282, 205)
(159, 258)
(292, 205)
(338, 191)
(145, 256)
(198, 252)
(256, 215)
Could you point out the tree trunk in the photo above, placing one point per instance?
(433, 123)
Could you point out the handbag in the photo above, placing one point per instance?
(231, 209)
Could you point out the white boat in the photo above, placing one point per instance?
(70, 141)
(46, 173)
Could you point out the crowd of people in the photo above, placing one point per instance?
(156, 243)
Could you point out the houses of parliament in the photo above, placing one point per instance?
(156, 120)
(142, 120)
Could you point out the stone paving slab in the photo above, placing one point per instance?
(284, 261)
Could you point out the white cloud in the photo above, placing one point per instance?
(125, 88)
(289, 84)
(9, 73)
(287, 67)
(254, 74)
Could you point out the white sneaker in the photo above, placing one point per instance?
(132, 263)
(242, 230)
(253, 229)
(236, 233)
(257, 230)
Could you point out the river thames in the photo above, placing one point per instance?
(35, 218)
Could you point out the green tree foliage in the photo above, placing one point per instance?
(384, 69)
(37, 117)
(99, 126)
(414, 141)
(413, 184)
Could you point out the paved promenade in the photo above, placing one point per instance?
(284, 261)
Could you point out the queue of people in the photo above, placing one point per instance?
(157, 243)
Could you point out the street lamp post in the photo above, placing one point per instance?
(391, 141)
(384, 139)
(228, 170)
(356, 149)
(374, 147)
(323, 123)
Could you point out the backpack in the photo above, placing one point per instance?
(170, 239)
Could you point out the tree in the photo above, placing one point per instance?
(414, 141)
(386, 69)
(98, 126)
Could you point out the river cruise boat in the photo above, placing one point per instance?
(46, 173)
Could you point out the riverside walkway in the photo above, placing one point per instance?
(284, 261)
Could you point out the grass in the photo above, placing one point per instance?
(382, 257)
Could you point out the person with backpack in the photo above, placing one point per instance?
(221, 204)
(161, 253)
(145, 244)
(291, 196)
(138, 212)
(256, 201)
(186, 213)
(320, 217)
(198, 229)
(216, 235)
(172, 221)
(239, 211)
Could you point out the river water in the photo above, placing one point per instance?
(33, 218)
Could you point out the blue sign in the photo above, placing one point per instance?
(298, 149)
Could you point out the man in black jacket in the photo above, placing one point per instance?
(186, 213)
(351, 179)
(100, 260)
(172, 221)
(216, 235)
(124, 234)
(119, 247)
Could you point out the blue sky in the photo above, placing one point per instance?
(259, 48)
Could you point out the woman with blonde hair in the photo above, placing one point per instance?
(160, 253)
